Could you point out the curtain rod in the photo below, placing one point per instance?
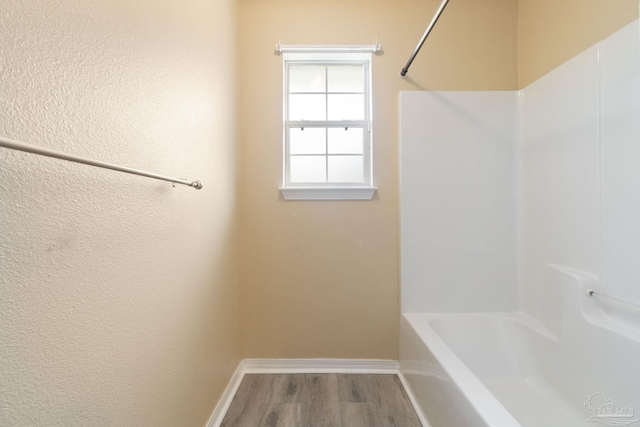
(283, 48)
(424, 37)
(34, 149)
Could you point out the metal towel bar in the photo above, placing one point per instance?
(608, 299)
(30, 148)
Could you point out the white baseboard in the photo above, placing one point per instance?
(412, 398)
(227, 397)
(320, 366)
(309, 366)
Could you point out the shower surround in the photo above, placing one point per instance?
(513, 206)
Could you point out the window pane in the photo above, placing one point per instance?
(346, 107)
(346, 78)
(346, 169)
(348, 141)
(307, 141)
(306, 79)
(307, 107)
(308, 168)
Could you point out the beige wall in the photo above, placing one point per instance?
(118, 294)
(119, 300)
(320, 279)
(550, 32)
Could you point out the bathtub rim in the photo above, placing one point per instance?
(485, 403)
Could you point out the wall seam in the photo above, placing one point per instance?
(519, 199)
(599, 162)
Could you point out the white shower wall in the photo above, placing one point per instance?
(549, 173)
(458, 201)
(580, 176)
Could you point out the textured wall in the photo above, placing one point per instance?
(118, 298)
(321, 279)
(550, 32)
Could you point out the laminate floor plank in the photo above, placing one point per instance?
(246, 408)
(358, 415)
(353, 388)
(320, 400)
(323, 409)
(281, 415)
(289, 388)
(392, 404)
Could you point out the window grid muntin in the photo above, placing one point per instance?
(366, 154)
(365, 124)
(326, 64)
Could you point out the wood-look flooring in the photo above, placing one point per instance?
(320, 400)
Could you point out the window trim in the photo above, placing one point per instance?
(328, 193)
(328, 190)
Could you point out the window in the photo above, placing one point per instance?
(327, 126)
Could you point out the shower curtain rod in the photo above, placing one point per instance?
(424, 37)
(34, 149)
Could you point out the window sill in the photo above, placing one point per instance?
(331, 193)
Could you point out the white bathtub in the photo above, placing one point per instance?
(509, 369)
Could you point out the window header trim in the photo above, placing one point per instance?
(373, 48)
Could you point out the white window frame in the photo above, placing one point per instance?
(329, 191)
